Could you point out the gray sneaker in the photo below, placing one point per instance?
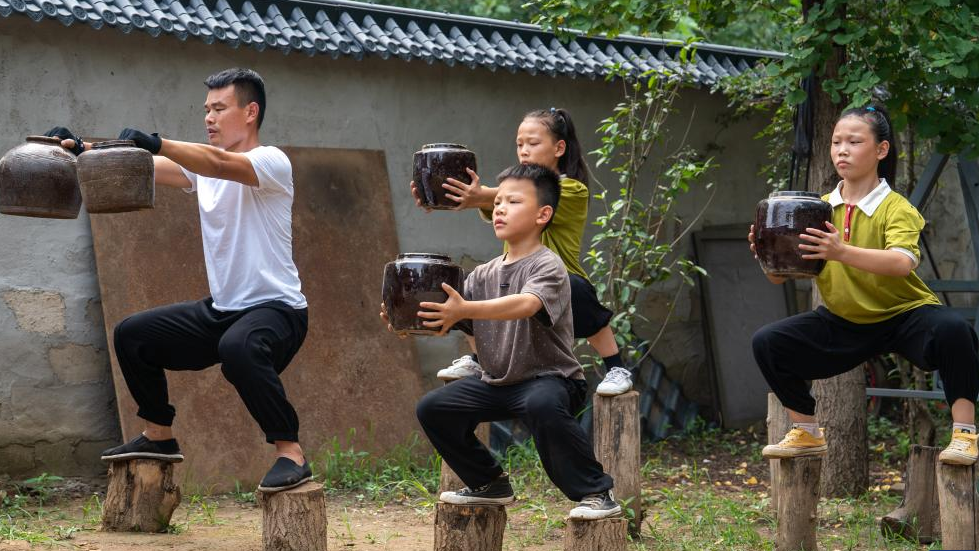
(596, 506)
(498, 492)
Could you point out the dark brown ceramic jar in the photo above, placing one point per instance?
(116, 176)
(37, 178)
(415, 278)
(779, 220)
(436, 162)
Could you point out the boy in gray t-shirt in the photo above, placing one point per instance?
(518, 307)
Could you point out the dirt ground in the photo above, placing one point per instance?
(238, 527)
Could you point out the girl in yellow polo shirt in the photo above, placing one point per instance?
(547, 137)
(875, 303)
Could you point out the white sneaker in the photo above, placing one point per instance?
(617, 381)
(461, 367)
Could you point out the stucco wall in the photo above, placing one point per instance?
(56, 405)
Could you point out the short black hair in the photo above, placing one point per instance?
(249, 87)
(546, 182)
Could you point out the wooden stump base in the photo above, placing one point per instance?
(608, 534)
(294, 520)
(616, 440)
(917, 518)
(469, 527)
(958, 501)
(141, 496)
(798, 481)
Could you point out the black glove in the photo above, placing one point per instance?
(65, 134)
(150, 142)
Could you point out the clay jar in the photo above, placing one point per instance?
(414, 278)
(436, 162)
(116, 176)
(37, 178)
(779, 220)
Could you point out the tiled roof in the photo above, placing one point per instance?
(356, 29)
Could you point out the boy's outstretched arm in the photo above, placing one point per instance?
(444, 315)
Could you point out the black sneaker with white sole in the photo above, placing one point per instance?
(498, 492)
(285, 474)
(596, 506)
(142, 447)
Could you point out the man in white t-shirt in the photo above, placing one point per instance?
(255, 320)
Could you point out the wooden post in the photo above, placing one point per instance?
(798, 481)
(141, 496)
(778, 424)
(449, 481)
(294, 520)
(959, 505)
(469, 527)
(596, 535)
(616, 441)
(917, 518)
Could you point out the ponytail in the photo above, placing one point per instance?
(880, 124)
(558, 123)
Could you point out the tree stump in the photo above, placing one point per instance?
(141, 496)
(798, 481)
(843, 413)
(959, 506)
(469, 527)
(294, 520)
(608, 534)
(778, 424)
(449, 481)
(917, 518)
(616, 441)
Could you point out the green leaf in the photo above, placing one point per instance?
(796, 96)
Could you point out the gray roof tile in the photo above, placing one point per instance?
(347, 28)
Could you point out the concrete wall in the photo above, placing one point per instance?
(56, 406)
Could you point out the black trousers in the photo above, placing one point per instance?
(253, 347)
(449, 416)
(820, 345)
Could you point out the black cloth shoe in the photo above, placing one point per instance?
(596, 506)
(498, 492)
(142, 447)
(285, 474)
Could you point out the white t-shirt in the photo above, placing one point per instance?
(247, 234)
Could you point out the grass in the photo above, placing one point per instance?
(706, 490)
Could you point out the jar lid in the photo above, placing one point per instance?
(806, 194)
(431, 256)
(443, 145)
(44, 139)
(113, 143)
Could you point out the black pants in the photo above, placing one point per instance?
(588, 314)
(449, 416)
(253, 347)
(820, 345)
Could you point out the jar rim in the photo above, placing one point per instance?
(801, 194)
(107, 144)
(54, 140)
(432, 256)
(443, 145)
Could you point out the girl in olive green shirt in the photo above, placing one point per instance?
(548, 138)
(874, 302)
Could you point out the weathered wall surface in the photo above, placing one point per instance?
(56, 403)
